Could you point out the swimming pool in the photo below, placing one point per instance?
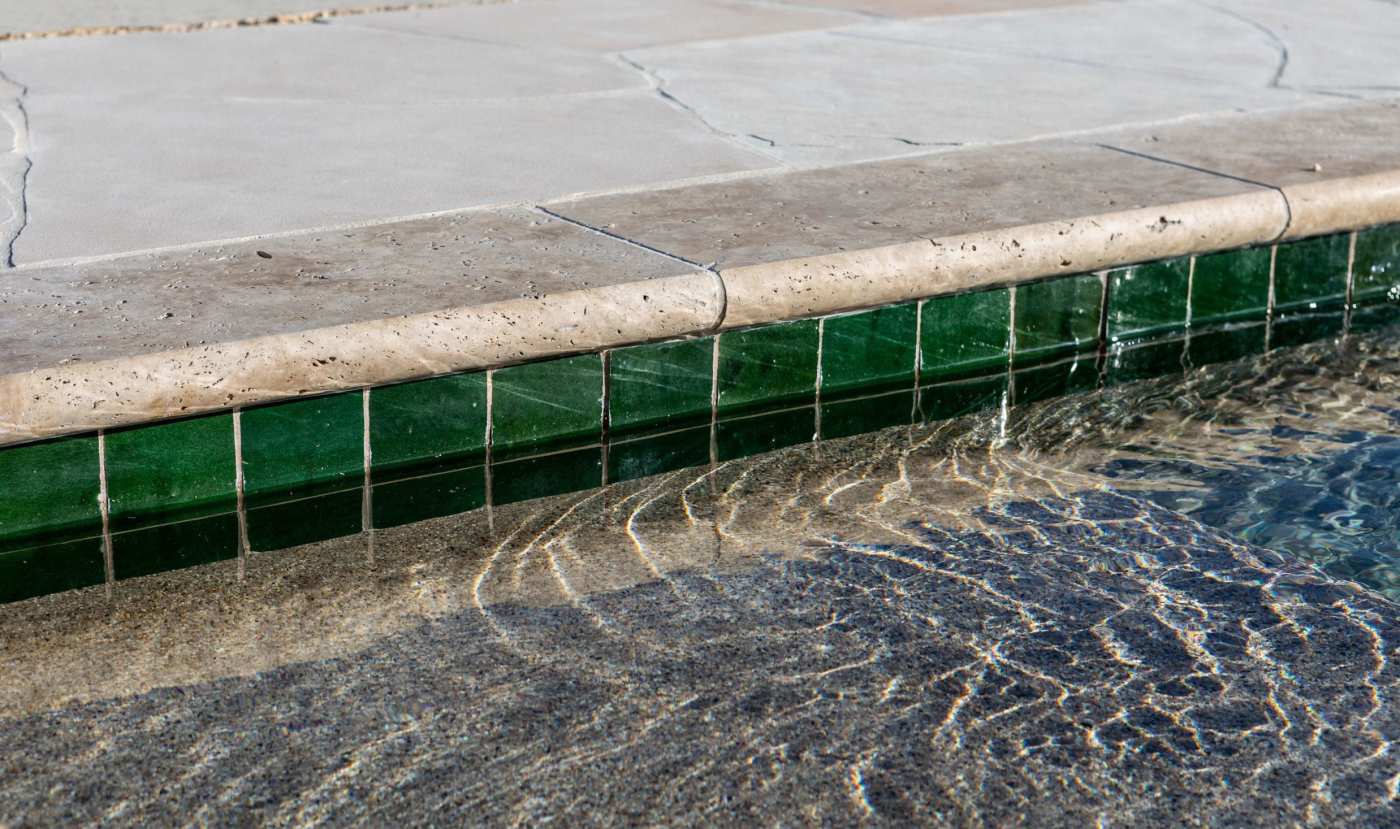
(1168, 601)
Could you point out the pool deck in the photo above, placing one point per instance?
(204, 219)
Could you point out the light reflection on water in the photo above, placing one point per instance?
(1065, 620)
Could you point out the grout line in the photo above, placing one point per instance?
(817, 384)
(489, 454)
(1009, 399)
(1271, 308)
(240, 489)
(1190, 292)
(1104, 298)
(104, 505)
(367, 498)
(918, 360)
(1351, 284)
(606, 420)
(591, 229)
(714, 401)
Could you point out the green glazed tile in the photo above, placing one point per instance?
(292, 450)
(433, 424)
(966, 335)
(1311, 274)
(1226, 345)
(740, 437)
(542, 406)
(158, 547)
(1230, 287)
(48, 492)
(775, 365)
(660, 385)
(1146, 360)
(857, 415)
(1376, 269)
(652, 455)
(1374, 317)
(945, 401)
(406, 500)
(1057, 318)
(171, 471)
(1298, 329)
(1072, 376)
(870, 351)
(545, 475)
(1147, 301)
(51, 568)
(279, 525)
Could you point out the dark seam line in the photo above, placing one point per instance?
(624, 239)
(1286, 206)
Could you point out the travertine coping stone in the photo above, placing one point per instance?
(90, 395)
(83, 396)
(855, 279)
(1343, 204)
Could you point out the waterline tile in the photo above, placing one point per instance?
(870, 351)
(660, 385)
(1147, 301)
(1057, 318)
(432, 424)
(544, 406)
(966, 335)
(1232, 286)
(770, 366)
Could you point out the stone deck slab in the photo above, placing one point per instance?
(129, 143)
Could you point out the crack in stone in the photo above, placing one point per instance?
(658, 85)
(16, 115)
(1276, 82)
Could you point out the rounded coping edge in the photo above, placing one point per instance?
(84, 397)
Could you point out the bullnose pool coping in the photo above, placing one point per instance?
(600, 272)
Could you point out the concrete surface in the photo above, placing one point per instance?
(147, 141)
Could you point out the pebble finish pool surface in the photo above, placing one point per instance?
(1169, 602)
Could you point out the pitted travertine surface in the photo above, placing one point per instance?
(814, 212)
(149, 303)
(905, 627)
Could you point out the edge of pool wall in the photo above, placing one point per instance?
(211, 403)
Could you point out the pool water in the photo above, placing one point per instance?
(1165, 603)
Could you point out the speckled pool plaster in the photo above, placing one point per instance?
(86, 509)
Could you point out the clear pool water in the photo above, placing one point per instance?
(1169, 603)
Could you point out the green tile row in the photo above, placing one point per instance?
(450, 444)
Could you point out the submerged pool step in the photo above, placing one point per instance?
(82, 510)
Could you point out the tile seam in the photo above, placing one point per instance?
(240, 488)
(714, 400)
(367, 460)
(605, 413)
(1351, 281)
(918, 360)
(817, 381)
(1271, 307)
(104, 506)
